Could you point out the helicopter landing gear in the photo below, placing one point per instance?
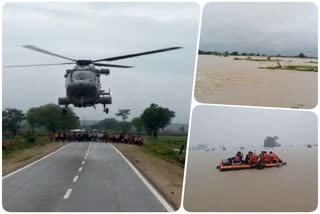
(106, 110)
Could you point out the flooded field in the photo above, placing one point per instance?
(290, 188)
(223, 80)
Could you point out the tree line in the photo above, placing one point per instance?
(51, 118)
(48, 116)
(236, 53)
(150, 121)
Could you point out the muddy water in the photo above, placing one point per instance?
(222, 80)
(290, 188)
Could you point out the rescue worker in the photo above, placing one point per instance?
(274, 158)
(247, 158)
(265, 157)
(253, 159)
(262, 157)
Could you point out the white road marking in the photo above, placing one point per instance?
(18, 170)
(144, 180)
(80, 169)
(83, 162)
(66, 196)
(85, 157)
(75, 178)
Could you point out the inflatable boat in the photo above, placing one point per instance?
(224, 167)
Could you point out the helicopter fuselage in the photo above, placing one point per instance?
(83, 87)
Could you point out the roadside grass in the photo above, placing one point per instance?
(313, 62)
(306, 68)
(21, 142)
(167, 148)
(22, 150)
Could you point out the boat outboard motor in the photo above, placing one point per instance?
(226, 162)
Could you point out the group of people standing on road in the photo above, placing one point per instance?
(108, 137)
(76, 136)
(252, 159)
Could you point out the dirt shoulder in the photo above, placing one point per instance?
(23, 157)
(165, 176)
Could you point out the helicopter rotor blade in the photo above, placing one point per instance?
(136, 54)
(111, 65)
(34, 48)
(35, 65)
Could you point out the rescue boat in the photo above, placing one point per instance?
(223, 167)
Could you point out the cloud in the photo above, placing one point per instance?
(271, 28)
(99, 30)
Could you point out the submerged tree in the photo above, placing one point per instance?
(271, 142)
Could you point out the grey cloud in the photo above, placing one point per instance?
(271, 28)
(99, 30)
(232, 126)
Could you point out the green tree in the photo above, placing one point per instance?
(301, 55)
(50, 116)
(32, 119)
(124, 113)
(11, 120)
(137, 124)
(155, 117)
(108, 124)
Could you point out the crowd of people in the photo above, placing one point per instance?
(88, 136)
(251, 158)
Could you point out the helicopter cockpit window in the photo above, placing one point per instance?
(83, 75)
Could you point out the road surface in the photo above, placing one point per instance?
(79, 177)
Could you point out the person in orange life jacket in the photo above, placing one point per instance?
(248, 157)
(253, 159)
(274, 158)
(264, 157)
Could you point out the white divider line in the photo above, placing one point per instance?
(164, 203)
(83, 162)
(66, 196)
(80, 169)
(75, 179)
(18, 170)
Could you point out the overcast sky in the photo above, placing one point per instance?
(233, 126)
(269, 28)
(100, 30)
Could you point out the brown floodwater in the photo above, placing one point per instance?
(223, 80)
(290, 188)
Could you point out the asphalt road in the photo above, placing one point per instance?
(80, 177)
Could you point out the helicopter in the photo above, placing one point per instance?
(83, 87)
